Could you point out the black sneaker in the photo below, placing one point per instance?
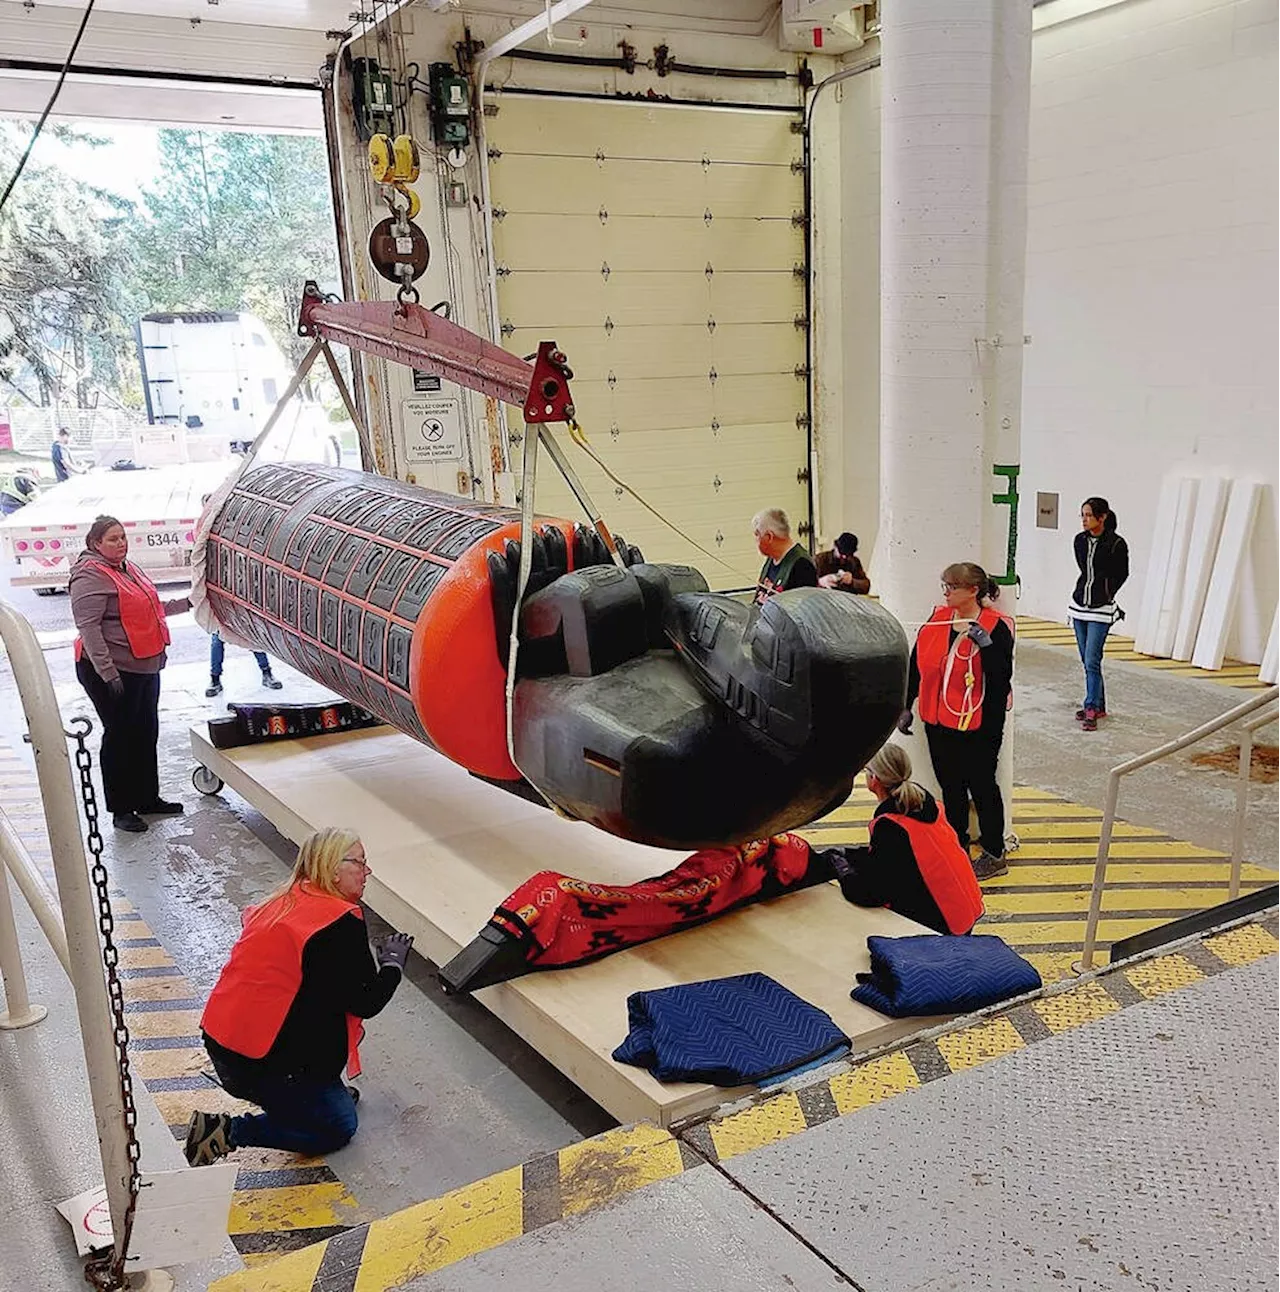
(213, 689)
(989, 866)
(162, 807)
(208, 1138)
(129, 821)
(271, 682)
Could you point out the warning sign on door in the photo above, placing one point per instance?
(432, 430)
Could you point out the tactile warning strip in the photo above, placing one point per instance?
(1233, 673)
(388, 1253)
(281, 1201)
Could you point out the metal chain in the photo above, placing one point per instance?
(106, 1272)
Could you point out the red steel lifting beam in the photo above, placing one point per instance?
(404, 332)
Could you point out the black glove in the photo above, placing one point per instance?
(904, 722)
(979, 635)
(393, 950)
(116, 688)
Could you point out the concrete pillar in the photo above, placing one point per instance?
(955, 97)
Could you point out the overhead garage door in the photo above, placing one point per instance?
(657, 244)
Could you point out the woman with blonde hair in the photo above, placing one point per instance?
(914, 863)
(961, 672)
(285, 1016)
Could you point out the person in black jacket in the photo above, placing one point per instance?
(890, 872)
(286, 1014)
(1103, 559)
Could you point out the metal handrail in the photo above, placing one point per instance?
(79, 907)
(1250, 706)
(43, 904)
(1256, 723)
(18, 1011)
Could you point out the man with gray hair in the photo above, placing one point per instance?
(786, 564)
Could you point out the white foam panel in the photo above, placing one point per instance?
(1268, 668)
(1224, 583)
(1206, 528)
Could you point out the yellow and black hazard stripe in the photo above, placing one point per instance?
(1233, 672)
(281, 1201)
(1039, 907)
(420, 1240)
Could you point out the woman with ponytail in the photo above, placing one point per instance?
(961, 671)
(1103, 559)
(914, 864)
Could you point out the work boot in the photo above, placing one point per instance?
(162, 807)
(208, 1138)
(214, 688)
(989, 866)
(270, 681)
(129, 821)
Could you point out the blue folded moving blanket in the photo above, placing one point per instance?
(727, 1031)
(937, 974)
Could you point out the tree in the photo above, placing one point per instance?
(237, 221)
(64, 265)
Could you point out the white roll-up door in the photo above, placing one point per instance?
(659, 245)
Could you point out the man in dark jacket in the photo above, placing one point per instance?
(840, 568)
(787, 565)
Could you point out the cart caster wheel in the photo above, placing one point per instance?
(205, 781)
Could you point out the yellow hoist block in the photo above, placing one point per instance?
(393, 161)
(405, 153)
(381, 161)
(415, 202)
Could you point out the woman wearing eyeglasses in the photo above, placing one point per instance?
(961, 672)
(285, 1016)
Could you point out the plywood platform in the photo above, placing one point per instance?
(446, 849)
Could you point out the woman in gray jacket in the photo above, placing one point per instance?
(119, 655)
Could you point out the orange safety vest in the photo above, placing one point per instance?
(944, 867)
(951, 689)
(259, 983)
(141, 613)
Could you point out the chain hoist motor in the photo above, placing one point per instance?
(450, 97)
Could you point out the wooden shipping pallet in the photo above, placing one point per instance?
(446, 849)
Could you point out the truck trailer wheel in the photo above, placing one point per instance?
(205, 781)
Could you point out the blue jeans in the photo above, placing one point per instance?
(218, 649)
(298, 1115)
(1091, 638)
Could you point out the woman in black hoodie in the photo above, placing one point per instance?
(1103, 559)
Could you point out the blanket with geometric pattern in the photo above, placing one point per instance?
(726, 1031)
(932, 974)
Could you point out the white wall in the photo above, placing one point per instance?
(1151, 279)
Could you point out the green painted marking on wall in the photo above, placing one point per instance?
(1009, 498)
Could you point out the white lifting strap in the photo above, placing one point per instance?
(528, 481)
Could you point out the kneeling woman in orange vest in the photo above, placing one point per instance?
(961, 670)
(914, 864)
(285, 1015)
(119, 654)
